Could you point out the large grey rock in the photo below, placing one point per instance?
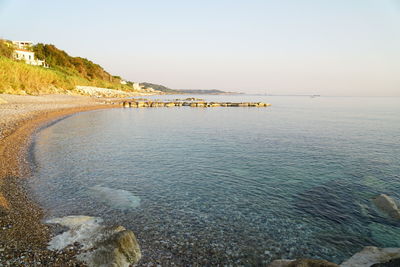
(302, 263)
(372, 255)
(387, 205)
(120, 249)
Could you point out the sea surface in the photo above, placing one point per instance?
(241, 186)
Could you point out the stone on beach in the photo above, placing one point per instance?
(387, 205)
(372, 255)
(120, 249)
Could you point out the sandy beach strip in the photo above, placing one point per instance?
(23, 237)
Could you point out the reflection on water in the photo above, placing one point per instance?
(230, 185)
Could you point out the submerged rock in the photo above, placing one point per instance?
(302, 263)
(332, 201)
(372, 255)
(115, 198)
(103, 245)
(343, 241)
(387, 205)
(386, 235)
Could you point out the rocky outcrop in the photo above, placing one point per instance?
(102, 92)
(373, 255)
(105, 92)
(302, 263)
(120, 249)
(101, 245)
(387, 205)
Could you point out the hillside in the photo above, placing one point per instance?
(62, 76)
(59, 59)
(202, 91)
(167, 90)
(159, 87)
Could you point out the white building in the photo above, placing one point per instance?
(136, 86)
(21, 52)
(28, 57)
(22, 44)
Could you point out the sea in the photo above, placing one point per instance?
(229, 185)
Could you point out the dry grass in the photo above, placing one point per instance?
(19, 78)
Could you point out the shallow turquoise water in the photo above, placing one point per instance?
(230, 185)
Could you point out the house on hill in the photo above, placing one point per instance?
(28, 57)
(21, 52)
(22, 44)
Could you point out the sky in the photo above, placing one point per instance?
(337, 48)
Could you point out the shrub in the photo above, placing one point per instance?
(6, 48)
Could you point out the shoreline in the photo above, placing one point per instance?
(23, 235)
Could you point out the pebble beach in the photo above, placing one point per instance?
(23, 236)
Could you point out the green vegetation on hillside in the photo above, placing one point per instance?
(83, 67)
(16, 77)
(64, 74)
(6, 49)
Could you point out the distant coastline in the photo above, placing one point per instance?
(166, 90)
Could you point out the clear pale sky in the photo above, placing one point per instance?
(341, 47)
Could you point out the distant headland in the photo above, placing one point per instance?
(37, 69)
(167, 90)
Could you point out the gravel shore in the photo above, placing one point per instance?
(23, 237)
